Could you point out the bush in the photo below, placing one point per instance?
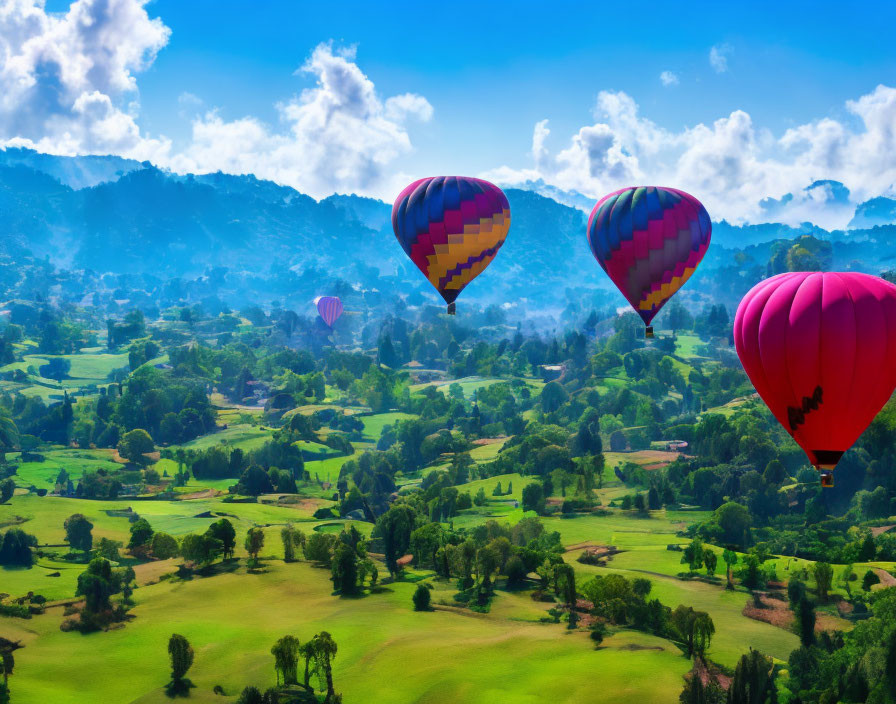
(422, 598)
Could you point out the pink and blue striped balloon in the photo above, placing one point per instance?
(329, 308)
(649, 240)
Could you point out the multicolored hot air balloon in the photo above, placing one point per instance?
(820, 348)
(329, 308)
(451, 227)
(649, 240)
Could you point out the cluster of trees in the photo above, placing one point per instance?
(315, 656)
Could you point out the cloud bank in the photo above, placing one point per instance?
(734, 167)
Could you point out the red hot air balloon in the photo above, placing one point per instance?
(820, 348)
(649, 240)
(329, 308)
(451, 227)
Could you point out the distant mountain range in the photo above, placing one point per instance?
(107, 214)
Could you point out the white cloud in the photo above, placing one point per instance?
(66, 79)
(740, 171)
(668, 78)
(338, 136)
(68, 86)
(718, 57)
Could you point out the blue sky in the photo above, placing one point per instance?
(492, 71)
(218, 84)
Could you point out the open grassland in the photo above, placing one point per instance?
(387, 652)
(243, 436)
(374, 424)
(75, 462)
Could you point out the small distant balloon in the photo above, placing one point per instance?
(329, 308)
(820, 349)
(451, 227)
(649, 240)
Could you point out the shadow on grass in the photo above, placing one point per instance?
(178, 688)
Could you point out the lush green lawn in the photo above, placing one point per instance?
(488, 485)
(75, 462)
(686, 346)
(243, 436)
(387, 652)
(374, 424)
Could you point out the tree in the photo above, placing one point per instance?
(320, 548)
(753, 681)
(181, 654)
(730, 558)
(15, 548)
(395, 527)
(250, 695)
(735, 521)
(224, 531)
(566, 580)
(135, 444)
(108, 549)
(805, 621)
(694, 629)
(422, 597)
(533, 498)
(693, 555)
(254, 544)
(97, 584)
(710, 560)
(307, 652)
(164, 546)
(141, 535)
(7, 489)
(286, 659)
(200, 549)
(344, 568)
(78, 532)
(824, 575)
(324, 652)
(869, 580)
(287, 537)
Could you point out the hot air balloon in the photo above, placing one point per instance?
(820, 348)
(649, 240)
(451, 227)
(329, 308)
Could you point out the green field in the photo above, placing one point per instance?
(387, 652)
(245, 437)
(75, 462)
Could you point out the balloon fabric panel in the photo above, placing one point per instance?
(329, 308)
(649, 240)
(820, 349)
(451, 227)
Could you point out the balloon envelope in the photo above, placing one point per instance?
(649, 240)
(329, 308)
(451, 227)
(820, 348)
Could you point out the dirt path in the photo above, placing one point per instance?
(881, 529)
(886, 579)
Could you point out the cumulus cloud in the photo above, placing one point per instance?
(337, 136)
(813, 172)
(718, 57)
(668, 78)
(67, 81)
(68, 85)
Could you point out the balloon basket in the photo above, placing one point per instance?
(648, 332)
(452, 308)
(827, 478)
